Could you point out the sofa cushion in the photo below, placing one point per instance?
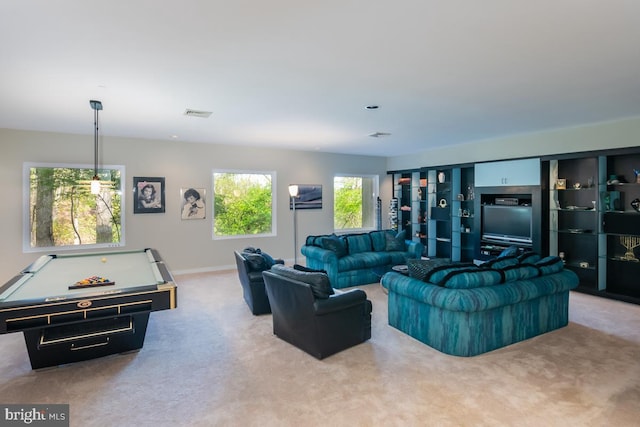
(513, 273)
(358, 243)
(334, 244)
(396, 243)
(363, 260)
(319, 282)
(419, 268)
(438, 273)
(550, 265)
(471, 278)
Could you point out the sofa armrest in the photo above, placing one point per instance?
(340, 301)
(324, 256)
(414, 249)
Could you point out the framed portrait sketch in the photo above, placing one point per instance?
(309, 197)
(194, 203)
(148, 194)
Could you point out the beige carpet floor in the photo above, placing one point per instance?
(211, 363)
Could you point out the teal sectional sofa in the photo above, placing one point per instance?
(466, 310)
(359, 259)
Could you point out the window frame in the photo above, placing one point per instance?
(26, 207)
(274, 197)
(374, 197)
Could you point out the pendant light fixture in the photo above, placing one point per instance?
(95, 182)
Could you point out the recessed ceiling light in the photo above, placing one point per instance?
(379, 134)
(372, 107)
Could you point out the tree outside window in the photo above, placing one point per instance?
(243, 203)
(354, 202)
(62, 212)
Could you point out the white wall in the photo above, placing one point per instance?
(185, 245)
(598, 136)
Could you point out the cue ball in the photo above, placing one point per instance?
(103, 260)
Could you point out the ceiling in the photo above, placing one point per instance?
(298, 74)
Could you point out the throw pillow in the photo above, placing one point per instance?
(314, 240)
(471, 278)
(529, 258)
(307, 269)
(335, 244)
(256, 261)
(501, 262)
(513, 273)
(419, 268)
(510, 251)
(268, 259)
(379, 240)
(357, 243)
(396, 243)
(438, 273)
(318, 282)
(550, 265)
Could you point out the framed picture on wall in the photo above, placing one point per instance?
(309, 197)
(148, 195)
(194, 204)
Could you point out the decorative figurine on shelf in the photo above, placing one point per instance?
(637, 172)
(630, 243)
(635, 204)
(470, 195)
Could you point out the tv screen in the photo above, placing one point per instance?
(507, 224)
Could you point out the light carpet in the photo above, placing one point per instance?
(211, 362)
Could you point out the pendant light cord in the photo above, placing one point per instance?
(95, 144)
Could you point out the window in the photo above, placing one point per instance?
(354, 201)
(61, 213)
(243, 204)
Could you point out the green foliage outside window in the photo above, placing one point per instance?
(242, 204)
(353, 202)
(63, 212)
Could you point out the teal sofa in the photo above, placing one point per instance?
(358, 259)
(465, 310)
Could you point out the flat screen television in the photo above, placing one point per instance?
(507, 224)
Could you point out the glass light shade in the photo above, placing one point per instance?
(95, 186)
(293, 190)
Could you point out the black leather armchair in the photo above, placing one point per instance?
(319, 326)
(253, 284)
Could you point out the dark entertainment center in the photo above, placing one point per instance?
(583, 207)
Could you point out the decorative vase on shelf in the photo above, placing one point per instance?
(441, 177)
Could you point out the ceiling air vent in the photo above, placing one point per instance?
(379, 134)
(197, 113)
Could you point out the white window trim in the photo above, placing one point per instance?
(26, 182)
(274, 198)
(376, 194)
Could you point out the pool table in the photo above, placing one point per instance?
(64, 320)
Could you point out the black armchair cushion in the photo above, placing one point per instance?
(318, 281)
